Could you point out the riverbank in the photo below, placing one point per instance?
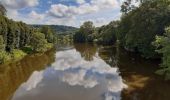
(18, 54)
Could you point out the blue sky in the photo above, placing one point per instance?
(63, 12)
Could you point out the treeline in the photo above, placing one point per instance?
(59, 29)
(136, 31)
(17, 38)
(102, 35)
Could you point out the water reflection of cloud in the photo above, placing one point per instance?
(33, 81)
(70, 68)
(77, 71)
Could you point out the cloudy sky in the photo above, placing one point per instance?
(63, 12)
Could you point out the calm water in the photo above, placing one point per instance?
(82, 72)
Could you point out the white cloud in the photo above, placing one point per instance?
(81, 1)
(13, 7)
(60, 10)
(63, 14)
(12, 13)
(18, 4)
(36, 16)
(97, 22)
(61, 21)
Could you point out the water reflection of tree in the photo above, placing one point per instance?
(87, 51)
(110, 54)
(14, 74)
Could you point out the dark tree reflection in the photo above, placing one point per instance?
(87, 51)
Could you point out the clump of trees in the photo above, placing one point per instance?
(107, 34)
(14, 36)
(136, 30)
(102, 35)
(48, 32)
(85, 33)
(139, 26)
(38, 42)
(163, 47)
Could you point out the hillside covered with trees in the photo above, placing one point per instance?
(59, 29)
(18, 38)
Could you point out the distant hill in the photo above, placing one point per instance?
(60, 29)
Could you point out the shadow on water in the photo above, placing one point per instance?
(14, 74)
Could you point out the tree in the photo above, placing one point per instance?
(10, 37)
(2, 10)
(163, 47)
(1, 43)
(107, 33)
(128, 5)
(38, 42)
(47, 31)
(85, 32)
(78, 37)
(139, 27)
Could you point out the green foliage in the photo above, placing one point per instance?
(38, 42)
(15, 36)
(59, 29)
(47, 31)
(85, 33)
(139, 26)
(163, 46)
(4, 57)
(1, 43)
(2, 10)
(17, 54)
(27, 49)
(78, 37)
(14, 55)
(107, 33)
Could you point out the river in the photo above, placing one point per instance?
(83, 72)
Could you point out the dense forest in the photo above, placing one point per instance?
(141, 29)
(17, 38)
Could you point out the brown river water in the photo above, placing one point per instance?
(83, 72)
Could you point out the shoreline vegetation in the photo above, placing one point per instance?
(18, 39)
(142, 29)
(17, 54)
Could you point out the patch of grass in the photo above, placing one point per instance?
(18, 54)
